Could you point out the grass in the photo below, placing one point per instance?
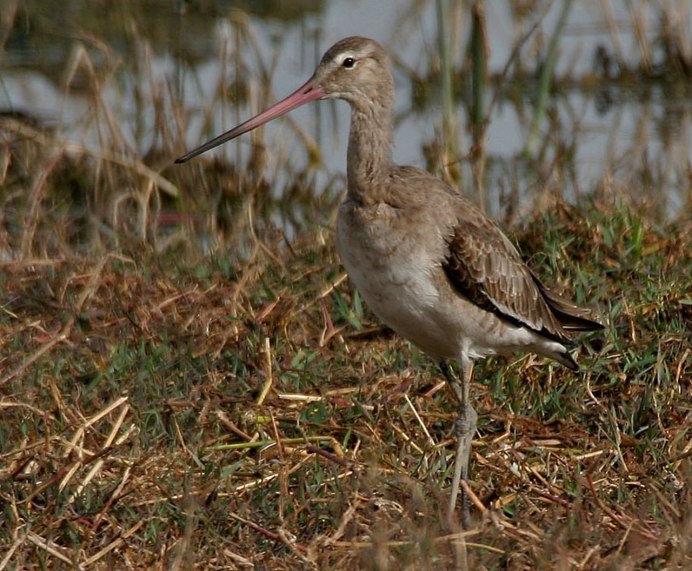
(183, 385)
(132, 432)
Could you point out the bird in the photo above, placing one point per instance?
(428, 262)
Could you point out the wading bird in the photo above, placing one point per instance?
(429, 263)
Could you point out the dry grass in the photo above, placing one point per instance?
(163, 416)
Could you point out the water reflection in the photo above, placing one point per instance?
(147, 79)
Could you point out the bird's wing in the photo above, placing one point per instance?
(484, 266)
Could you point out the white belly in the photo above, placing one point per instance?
(395, 277)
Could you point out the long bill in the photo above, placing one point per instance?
(309, 91)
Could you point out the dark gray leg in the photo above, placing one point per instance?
(464, 429)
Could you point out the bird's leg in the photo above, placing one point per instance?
(464, 429)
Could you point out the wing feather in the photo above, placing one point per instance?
(483, 265)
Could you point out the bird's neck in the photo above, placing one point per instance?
(369, 153)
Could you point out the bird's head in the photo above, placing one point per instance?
(354, 69)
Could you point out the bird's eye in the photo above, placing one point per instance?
(348, 62)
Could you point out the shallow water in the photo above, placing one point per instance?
(636, 132)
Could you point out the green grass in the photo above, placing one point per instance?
(592, 468)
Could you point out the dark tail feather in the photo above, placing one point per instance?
(571, 317)
(567, 360)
